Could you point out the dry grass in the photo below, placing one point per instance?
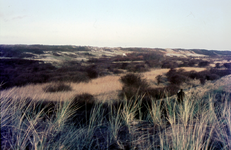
(223, 83)
(197, 69)
(104, 88)
(192, 125)
(96, 87)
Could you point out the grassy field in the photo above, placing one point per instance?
(202, 121)
(103, 88)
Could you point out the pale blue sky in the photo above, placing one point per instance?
(118, 23)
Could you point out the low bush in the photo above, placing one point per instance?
(159, 79)
(134, 80)
(169, 65)
(203, 64)
(227, 65)
(57, 87)
(117, 71)
(202, 81)
(220, 72)
(159, 93)
(195, 75)
(212, 77)
(177, 77)
(92, 73)
(217, 65)
(133, 84)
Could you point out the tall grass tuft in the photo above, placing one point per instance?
(198, 123)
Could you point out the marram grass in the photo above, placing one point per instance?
(196, 124)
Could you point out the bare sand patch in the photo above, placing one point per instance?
(181, 53)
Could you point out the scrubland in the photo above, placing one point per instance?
(104, 88)
(202, 121)
(115, 102)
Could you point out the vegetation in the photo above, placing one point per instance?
(133, 84)
(145, 115)
(19, 72)
(57, 87)
(199, 123)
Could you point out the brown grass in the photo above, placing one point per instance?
(104, 88)
(192, 68)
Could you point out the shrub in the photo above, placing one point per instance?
(169, 64)
(218, 65)
(131, 67)
(57, 87)
(129, 92)
(171, 72)
(92, 73)
(192, 63)
(158, 79)
(227, 65)
(195, 75)
(133, 84)
(141, 68)
(159, 93)
(202, 80)
(134, 80)
(79, 77)
(156, 93)
(220, 73)
(124, 65)
(117, 71)
(178, 79)
(212, 77)
(203, 63)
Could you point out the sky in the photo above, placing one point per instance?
(190, 24)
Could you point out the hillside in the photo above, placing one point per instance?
(25, 64)
(61, 53)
